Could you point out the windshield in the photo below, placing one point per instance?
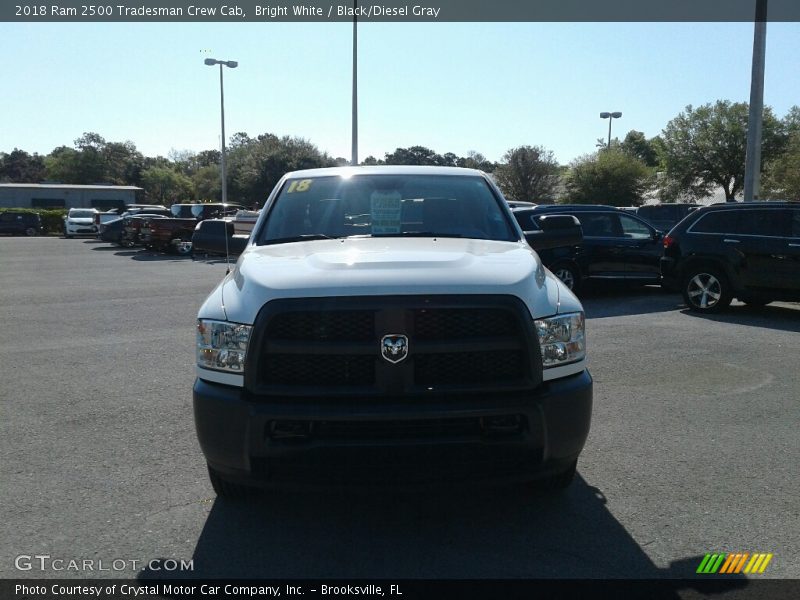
(386, 206)
(183, 211)
(81, 214)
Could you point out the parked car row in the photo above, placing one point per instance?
(749, 251)
(165, 229)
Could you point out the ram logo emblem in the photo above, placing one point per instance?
(394, 347)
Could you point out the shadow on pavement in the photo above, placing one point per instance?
(772, 316)
(150, 256)
(214, 259)
(468, 533)
(615, 301)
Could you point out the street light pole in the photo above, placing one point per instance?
(222, 121)
(610, 116)
(231, 64)
(354, 143)
(752, 163)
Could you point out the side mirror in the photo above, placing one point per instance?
(556, 231)
(212, 235)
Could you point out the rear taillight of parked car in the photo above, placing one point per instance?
(669, 242)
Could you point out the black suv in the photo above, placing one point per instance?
(20, 223)
(749, 251)
(616, 245)
(665, 216)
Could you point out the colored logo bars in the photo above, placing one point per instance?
(734, 563)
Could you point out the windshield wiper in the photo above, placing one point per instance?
(306, 237)
(433, 234)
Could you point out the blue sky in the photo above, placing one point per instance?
(453, 87)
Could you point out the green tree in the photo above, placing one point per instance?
(413, 155)
(20, 167)
(90, 162)
(207, 183)
(63, 165)
(637, 145)
(123, 163)
(528, 173)
(608, 177)
(255, 166)
(166, 185)
(791, 122)
(782, 177)
(94, 160)
(476, 160)
(704, 147)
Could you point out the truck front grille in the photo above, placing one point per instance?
(321, 347)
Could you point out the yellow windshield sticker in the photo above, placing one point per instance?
(299, 185)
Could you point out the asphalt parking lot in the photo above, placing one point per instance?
(694, 445)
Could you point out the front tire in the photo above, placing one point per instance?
(31, 231)
(706, 290)
(227, 489)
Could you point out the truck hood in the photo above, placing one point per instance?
(378, 267)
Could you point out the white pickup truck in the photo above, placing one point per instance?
(391, 324)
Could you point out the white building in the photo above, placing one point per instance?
(50, 195)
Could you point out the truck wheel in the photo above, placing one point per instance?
(227, 489)
(568, 275)
(126, 243)
(30, 231)
(183, 248)
(706, 289)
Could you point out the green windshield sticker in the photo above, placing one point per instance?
(385, 212)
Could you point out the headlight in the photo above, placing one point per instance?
(562, 339)
(221, 345)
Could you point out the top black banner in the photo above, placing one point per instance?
(202, 11)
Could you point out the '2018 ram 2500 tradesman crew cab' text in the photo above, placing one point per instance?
(392, 324)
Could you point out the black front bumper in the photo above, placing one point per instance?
(506, 436)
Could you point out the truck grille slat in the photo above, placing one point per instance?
(467, 367)
(342, 325)
(439, 324)
(292, 369)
